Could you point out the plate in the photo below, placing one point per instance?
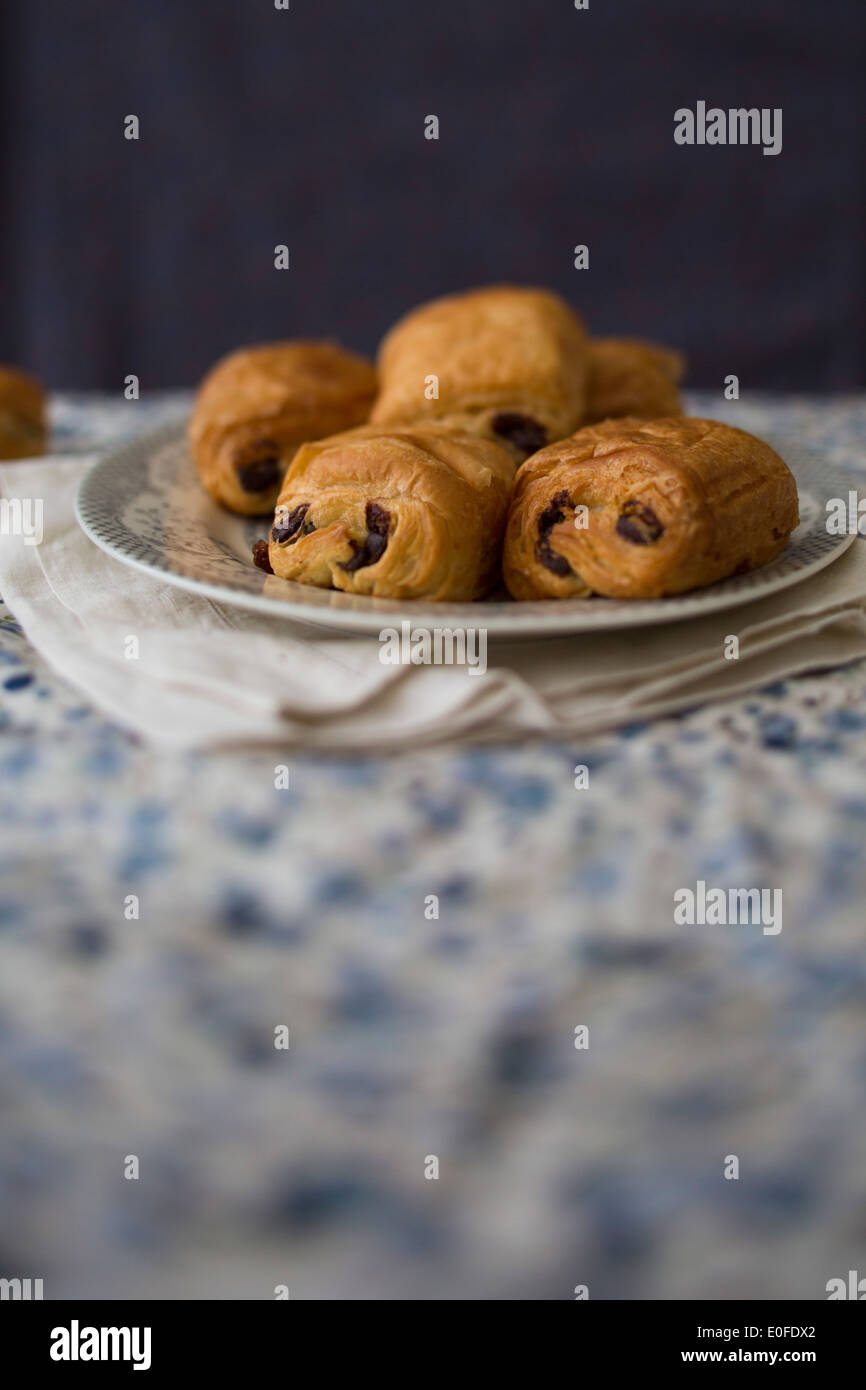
(145, 506)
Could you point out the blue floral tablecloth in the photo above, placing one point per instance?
(422, 1044)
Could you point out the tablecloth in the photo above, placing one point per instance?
(439, 1126)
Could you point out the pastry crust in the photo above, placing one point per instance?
(22, 414)
(672, 505)
(510, 365)
(630, 377)
(256, 406)
(409, 513)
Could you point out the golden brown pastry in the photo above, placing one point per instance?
(22, 415)
(667, 505)
(256, 406)
(509, 363)
(626, 376)
(404, 513)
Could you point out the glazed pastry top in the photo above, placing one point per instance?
(669, 505)
(430, 463)
(271, 379)
(502, 348)
(408, 513)
(259, 404)
(630, 377)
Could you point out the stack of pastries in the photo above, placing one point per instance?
(494, 442)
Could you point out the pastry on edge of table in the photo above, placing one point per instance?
(405, 513)
(22, 414)
(509, 362)
(256, 406)
(670, 505)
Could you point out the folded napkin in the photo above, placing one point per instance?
(207, 674)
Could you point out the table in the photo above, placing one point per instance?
(413, 1037)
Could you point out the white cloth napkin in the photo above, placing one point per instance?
(208, 674)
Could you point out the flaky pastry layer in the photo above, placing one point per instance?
(258, 405)
(505, 363)
(403, 513)
(638, 509)
(627, 377)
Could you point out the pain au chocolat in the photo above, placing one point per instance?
(22, 414)
(403, 513)
(505, 363)
(630, 377)
(256, 406)
(636, 509)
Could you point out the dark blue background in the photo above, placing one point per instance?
(260, 126)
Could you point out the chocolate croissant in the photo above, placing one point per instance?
(632, 509)
(22, 414)
(408, 513)
(503, 363)
(256, 406)
(629, 377)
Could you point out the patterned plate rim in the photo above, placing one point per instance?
(500, 618)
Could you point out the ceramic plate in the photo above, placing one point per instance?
(145, 505)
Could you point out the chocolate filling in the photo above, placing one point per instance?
(259, 476)
(373, 548)
(638, 524)
(261, 557)
(289, 528)
(552, 515)
(520, 430)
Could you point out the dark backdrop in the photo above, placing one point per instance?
(307, 127)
